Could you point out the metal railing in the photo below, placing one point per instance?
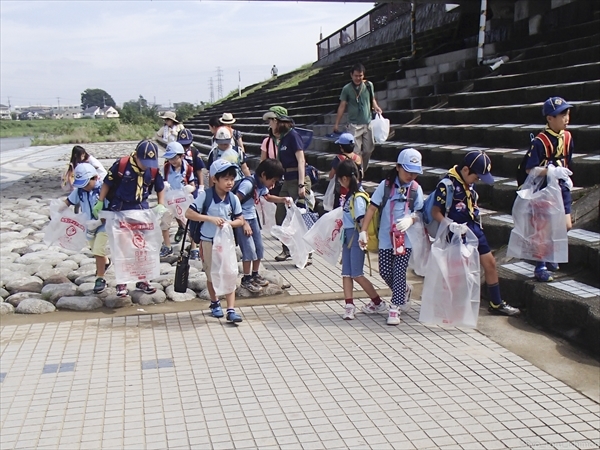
(377, 18)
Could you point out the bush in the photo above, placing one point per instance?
(107, 127)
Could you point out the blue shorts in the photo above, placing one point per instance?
(483, 246)
(566, 196)
(251, 246)
(353, 258)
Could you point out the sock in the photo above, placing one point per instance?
(215, 303)
(255, 274)
(246, 278)
(349, 301)
(376, 301)
(230, 310)
(494, 291)
(540, 265)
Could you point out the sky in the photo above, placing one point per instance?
(165, 51)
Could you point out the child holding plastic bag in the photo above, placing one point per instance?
(353, 257)
(553, 147)
(249, 191)
(334, 191)
(86, 191)
(464, 213)
(178, 175)
(397, 197)
(224, 208)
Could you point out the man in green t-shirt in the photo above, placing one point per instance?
(359, 96)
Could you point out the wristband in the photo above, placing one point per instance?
(301, 185)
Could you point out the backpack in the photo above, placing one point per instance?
(196, 226)
(549, 148)
(248, 196)
(120, 173)
(373, 228)
(431, 225)
(312, 173)
(189, 172)
(211, 158)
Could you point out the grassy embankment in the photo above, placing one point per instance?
(75, 131)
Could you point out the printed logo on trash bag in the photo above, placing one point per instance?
(139, 241)
(73, 223)
(71, 230)
(136, 226)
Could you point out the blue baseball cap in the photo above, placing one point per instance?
(147, 153)
(220, 165)
(185, 137)
(554, 106)
(84, 172)
(345, 138)
(481, 164)
(173, 149)
(410, 160)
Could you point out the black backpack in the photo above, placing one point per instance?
(248, 196)
(196, 226)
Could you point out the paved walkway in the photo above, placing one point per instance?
(290, 376)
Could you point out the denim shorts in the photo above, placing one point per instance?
(353, 258)
(251, 246)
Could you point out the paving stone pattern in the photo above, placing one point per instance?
(290, 377)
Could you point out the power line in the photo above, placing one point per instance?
(219, 83)
(211, 90)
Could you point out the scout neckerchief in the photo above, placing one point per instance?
(139, 191)
(470, 206)
(560, 147)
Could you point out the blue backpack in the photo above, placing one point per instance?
(196, 226)
(432, 225)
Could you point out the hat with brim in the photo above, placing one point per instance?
(227, 119)
(554, 106)
(185, 137)
(147, 153)
(269, 115)
(84, 172)
(275, 112)
(410, 160)
(345, 139)
(170, 115)
(481, 164)
(219, 165)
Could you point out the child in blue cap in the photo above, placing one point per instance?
(553, 146)
(128, 185)
(464, 212)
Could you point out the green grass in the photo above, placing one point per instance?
(302, 74)
(75, 131)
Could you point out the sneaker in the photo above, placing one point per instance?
(283, 256)
(165, 251)
(543, 275)
(122, 290)
(372, 308)
(99, 286)
(259, 281)
(393, 316)
(405, 307)
(349, 311)
(504, 308)
(234, 317)
(145, 287)
(250, 286)
(552, 267)
(107, 265)
(216, 310)
(195, 254)
(179, 234)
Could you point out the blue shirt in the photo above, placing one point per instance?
(360, 209)
(246, 188)
(87, 200)
(218, 208)
(176, 178)
(126, 188)
(459, 211)
(192, 156)
(398, 199)
(288, 146)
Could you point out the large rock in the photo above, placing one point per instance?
(79, 303)
(25, 284)
(53, 292)
(114, 302)
(8, 258)
(4, 293)
(84, 279)
(49, 256)
(30, 269)
(35, 306)
(87, 289)
(271, 289)
(272, 277)
(179, 296)
(140, 298)
(15, 299)
(68, 263)
(166, 269)
(6, 308)
(197, 282)
(56, 279)
(81, 275)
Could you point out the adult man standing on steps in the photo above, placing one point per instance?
(359, 96)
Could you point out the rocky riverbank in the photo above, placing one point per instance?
(36, 278)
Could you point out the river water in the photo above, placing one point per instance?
(12, 143)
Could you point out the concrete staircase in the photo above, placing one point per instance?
(444, 105)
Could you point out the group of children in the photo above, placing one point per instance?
(233, 194)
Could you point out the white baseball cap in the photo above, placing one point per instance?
(83, 173)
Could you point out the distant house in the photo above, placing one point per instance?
(91, 112)
(110, 113)
(5, 112)
(28, 115)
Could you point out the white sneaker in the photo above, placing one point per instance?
(372, 308)
(393, 316)
(349, 311)
(406, 306)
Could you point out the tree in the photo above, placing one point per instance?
(96, 97)
(138, 112)
(186, 110)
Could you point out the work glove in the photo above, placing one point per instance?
(167, 185)
(189, 189)
(91, 225)
(97, 208)
(362, 240)
(404, 223)
(201, 188)
(159, 210)
(458, 228)
(562, 173)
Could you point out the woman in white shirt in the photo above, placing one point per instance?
(80, 155)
